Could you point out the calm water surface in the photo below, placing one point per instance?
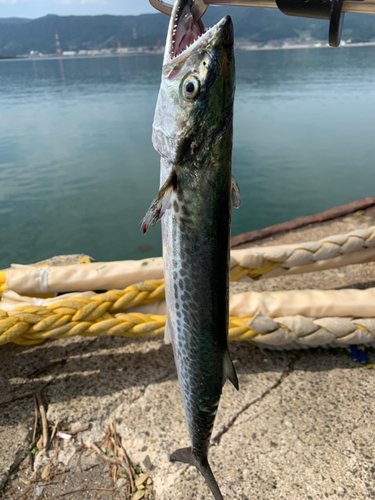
(78, 170)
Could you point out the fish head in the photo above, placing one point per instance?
(195, 101)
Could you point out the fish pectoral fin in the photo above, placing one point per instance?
(230, 371)
(235, 193)
(160, 203)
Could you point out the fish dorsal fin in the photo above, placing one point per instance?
(230, 371)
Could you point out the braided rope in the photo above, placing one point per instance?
(264, 262)
(277, 260)
(302, 332)
(237, 272)
(95, 316)
(81, 315)
(3, 285)
(35, 324)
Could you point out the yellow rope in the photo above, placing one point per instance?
(80, 315)
(94, 316)
(238, 272)
(35, 324)
(3, 285)
(104, 315)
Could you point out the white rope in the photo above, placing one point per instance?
(258, 262)
(291, 332)
(330, 252)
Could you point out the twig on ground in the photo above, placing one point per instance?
(91, 467)
(87, 489)
(116, 440)
(54, 431)
(80, 429)
(99, 445)
(43, 416)
(57, 447)
(33, 440)
(59, 473)
(27, 394)
(129, 469)
(36, 418)
(114, 461)
(20, 396)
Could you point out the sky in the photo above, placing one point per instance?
(39, 8)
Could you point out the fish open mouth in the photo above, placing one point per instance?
(186, 28)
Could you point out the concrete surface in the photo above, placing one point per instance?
(301, 426)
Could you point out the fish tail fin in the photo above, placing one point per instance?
(186, 456)
(205, 469)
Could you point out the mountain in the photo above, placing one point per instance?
(78, 32)
(20, 36)
(13, 20)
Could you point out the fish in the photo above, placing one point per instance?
(193, 133)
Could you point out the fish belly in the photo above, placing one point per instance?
(195, 253)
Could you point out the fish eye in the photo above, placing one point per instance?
(191, 87)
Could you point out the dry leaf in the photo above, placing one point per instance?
(138, 495)
(39, 444)
(141, 479)
(46, 471)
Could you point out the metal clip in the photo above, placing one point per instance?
(161, 6)
(353, 6)
(198, 8)
(317, 9)
(332, 10)
(335, 24)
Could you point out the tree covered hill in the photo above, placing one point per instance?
(13, 20)
(20, 36)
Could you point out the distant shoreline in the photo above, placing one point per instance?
(318, 45)
(160, 50)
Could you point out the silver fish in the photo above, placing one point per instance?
(192, 132)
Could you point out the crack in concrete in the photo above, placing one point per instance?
(226, 427)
